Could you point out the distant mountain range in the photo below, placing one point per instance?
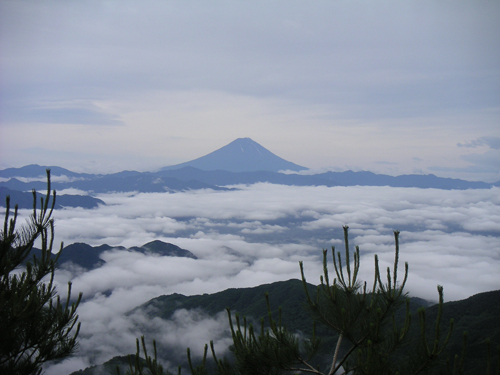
(348, 178)
(145, 182)
(478, 315)
(243, 161)
(25, 200)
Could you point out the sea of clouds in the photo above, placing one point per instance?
(255, 235)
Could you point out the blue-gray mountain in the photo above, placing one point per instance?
(35, 171)
(189, 178)
(347, 178)
(243, 161)
(145, 182)
(241, 155)
(25, 199)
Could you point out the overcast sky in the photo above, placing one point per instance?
(389, 86)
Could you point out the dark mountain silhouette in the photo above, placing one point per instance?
(241, 155)
(163, 249)
(478, 315)
(89, 257)
(83, 255)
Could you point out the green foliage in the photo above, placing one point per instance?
(363, 322)
(364, 331)
(149, 365)
(289, 295)
(479, 317)
(35, 325)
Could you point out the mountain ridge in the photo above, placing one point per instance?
(89, 257)
(25, 199)
(242, 161)
(289, 295)
(241, 155)
(190, 178)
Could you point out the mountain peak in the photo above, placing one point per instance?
(248, 145)
(241, 155)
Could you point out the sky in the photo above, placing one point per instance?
(392, 87)
(257, 234)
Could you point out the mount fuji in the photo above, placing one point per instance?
(241, 155)
(242, 161)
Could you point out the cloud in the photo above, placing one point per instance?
(491, 142)
(479, 164)
(487, 162)
(60, 178)
(293, 221)
(257, 235)
(109, 334)
(60, 113)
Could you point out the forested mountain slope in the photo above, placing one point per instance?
(479, 315)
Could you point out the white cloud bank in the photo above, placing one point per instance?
(257, 235)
